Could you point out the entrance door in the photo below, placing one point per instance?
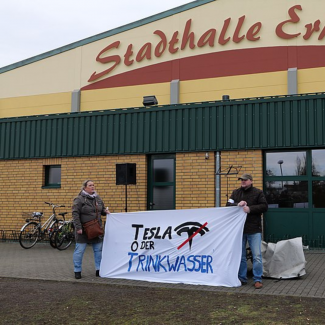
(161, 182)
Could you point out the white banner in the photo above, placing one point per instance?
(196, 246)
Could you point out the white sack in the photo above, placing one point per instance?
(283, 260)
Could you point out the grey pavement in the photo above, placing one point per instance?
(42, 262)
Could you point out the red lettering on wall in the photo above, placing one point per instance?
(253, 31)
(112, 58)
(172, 49)
(127, 55)
(207, 38)
(161, 46)
(311, 28)
(222, 40)
(188, 36)
(322, 34)
(236, 38)
(188, 40)
(294, 18)
(144, 52)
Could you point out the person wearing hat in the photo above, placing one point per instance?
(254, 203)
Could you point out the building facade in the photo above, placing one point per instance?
(239, 88)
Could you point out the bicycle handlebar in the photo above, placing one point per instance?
(54, 205)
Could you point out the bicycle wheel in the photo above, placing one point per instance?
(29, 235)
(53, 228)
(64, 236)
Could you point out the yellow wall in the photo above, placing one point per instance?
(245, 86)
(311, 80)
(122, 97)
(35, 105)
(195, 182)
(24, 179)
(250, 162)
(254, 85)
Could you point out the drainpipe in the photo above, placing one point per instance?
(217, 179)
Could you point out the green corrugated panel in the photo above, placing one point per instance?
(266, 123)
(171, 144)
(199, 126)
(303, 127)
(320, 121)
(12, 136)
(179, 131)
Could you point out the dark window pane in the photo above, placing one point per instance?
(163, 197)
(55, 175)
(287, 194)
(163, 170)
(319, 194)
(318, 162)
(286, 163)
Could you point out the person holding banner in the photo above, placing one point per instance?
(254, 204)
(87, 206)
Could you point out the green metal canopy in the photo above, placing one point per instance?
(252, 123)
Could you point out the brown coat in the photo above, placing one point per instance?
(84, 210)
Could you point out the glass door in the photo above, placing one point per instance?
(161, 182)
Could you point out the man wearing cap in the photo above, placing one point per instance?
(254, 204)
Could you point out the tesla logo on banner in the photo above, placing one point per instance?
(192, 229)
(188, 39)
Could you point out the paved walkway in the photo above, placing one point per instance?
(42, 262)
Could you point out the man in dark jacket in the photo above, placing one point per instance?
(254, 204)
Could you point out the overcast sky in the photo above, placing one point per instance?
(32, 27)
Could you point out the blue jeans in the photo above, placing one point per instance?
(79, 253)
(254, 242)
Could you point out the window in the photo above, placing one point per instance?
(52, 176)
(286, 163)
(295, 179)
(318, 172)
(318, 162)
(319, 194)
(287, 194)
(286, 184)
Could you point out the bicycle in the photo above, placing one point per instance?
(33, 230)
(64, 236)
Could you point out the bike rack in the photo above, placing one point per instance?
(9, 235)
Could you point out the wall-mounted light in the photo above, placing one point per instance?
(150, 100)
(206, 155)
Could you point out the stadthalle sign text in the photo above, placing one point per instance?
(212, 37)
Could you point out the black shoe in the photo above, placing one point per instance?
(77, 275)
(243, 282)
(97, 272)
